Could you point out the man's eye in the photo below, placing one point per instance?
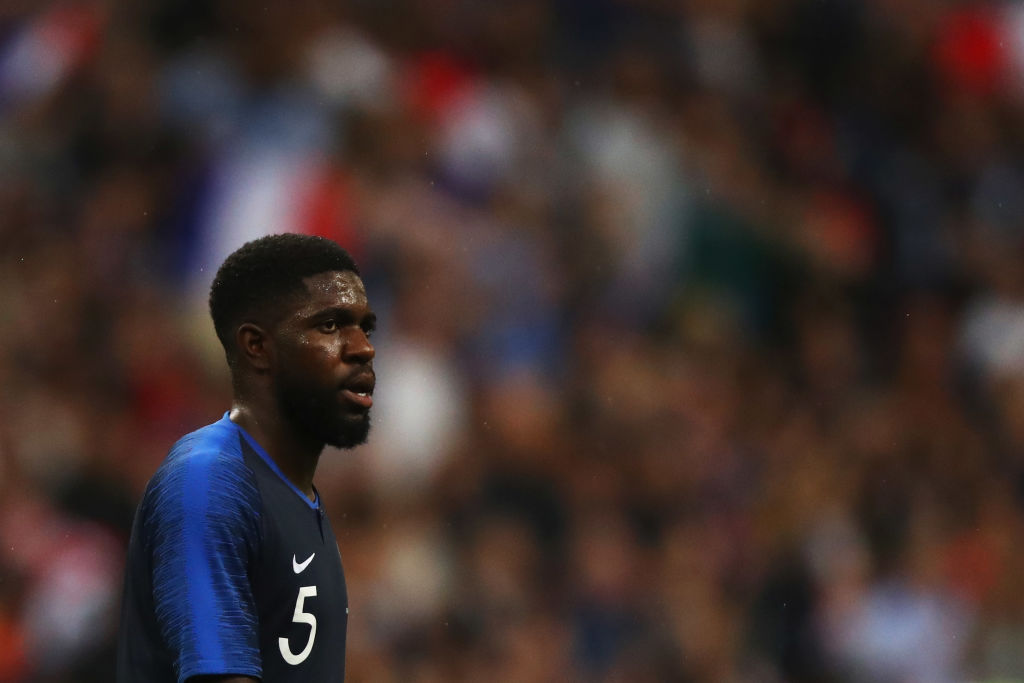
(329, 326)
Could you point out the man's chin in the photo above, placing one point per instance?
(349, 433)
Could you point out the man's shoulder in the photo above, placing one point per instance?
(215, 447)
(207, 463)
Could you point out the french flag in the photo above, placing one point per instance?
(254, 192)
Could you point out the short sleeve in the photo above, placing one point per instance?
(202, 523)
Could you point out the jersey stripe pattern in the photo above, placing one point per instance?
(201, 518)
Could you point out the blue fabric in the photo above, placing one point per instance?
(265, 457)
(203, 524)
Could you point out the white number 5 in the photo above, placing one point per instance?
(300, 617)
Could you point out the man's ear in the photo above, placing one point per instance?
(253, 346)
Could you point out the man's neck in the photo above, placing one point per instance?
(295, 456)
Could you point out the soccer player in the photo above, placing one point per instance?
(233, 571)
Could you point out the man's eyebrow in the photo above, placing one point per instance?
(343, 313)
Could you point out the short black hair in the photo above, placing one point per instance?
(259, 275)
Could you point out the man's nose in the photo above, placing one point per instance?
(358, 348)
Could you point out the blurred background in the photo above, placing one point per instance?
(701, 351)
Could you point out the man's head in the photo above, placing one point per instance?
(292, 315)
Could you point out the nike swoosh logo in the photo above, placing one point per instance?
(299, 567)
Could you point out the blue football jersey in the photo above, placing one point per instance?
(231, 570)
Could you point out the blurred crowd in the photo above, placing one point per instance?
(701, 355)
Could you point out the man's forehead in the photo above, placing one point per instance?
(334, 285)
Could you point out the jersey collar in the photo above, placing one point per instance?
(314, 504)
